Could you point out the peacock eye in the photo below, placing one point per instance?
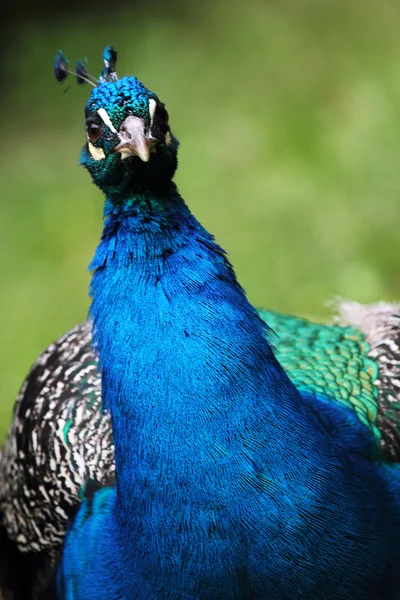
(94, 131)
(162, 114)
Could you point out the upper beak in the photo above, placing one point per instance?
(136, 139)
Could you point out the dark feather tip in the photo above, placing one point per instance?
(82, 75)
(61, 67)
(110, 58)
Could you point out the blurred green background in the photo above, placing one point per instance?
(288, 113)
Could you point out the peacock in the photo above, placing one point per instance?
(181, 444)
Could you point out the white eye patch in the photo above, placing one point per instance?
(104, 116)
(152, 109)
(168, 139)
(96, 153)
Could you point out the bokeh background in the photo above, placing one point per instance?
(288, 113)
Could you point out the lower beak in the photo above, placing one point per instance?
(136, 139)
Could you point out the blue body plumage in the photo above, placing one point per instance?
(229, 483)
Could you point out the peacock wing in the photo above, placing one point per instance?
(355, 361)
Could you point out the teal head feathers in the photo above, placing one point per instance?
(129, 142)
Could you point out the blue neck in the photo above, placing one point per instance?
(228, 484)
(186, 367)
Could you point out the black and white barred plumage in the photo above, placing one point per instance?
(59, 441)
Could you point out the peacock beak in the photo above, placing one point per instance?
(136, 139)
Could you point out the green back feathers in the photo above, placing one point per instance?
(329, 360)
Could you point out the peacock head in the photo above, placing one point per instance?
(129, 142)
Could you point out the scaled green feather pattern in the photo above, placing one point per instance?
(328, 360)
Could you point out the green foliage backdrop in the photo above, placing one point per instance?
(288, 113)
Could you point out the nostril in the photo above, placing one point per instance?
(126, 133)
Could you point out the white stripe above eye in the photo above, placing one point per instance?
(152, 108)
(104, 116)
